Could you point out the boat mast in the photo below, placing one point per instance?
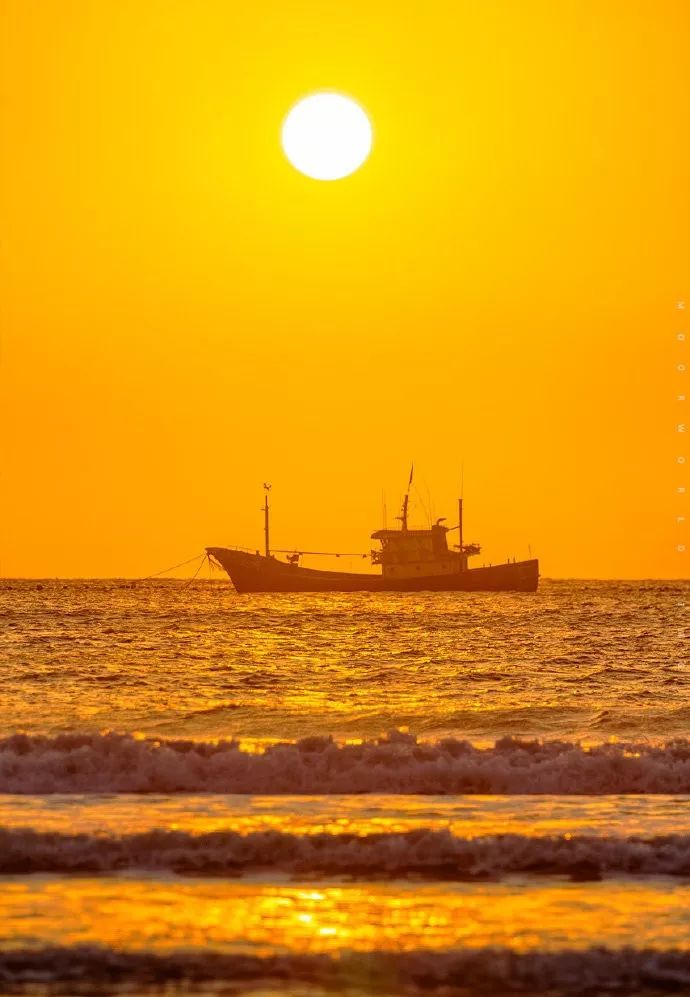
(403, 517)
(462, 493)
(460, 530)
(267, 489)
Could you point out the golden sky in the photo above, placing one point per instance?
(185, 316)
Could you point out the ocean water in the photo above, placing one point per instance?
(362, 794)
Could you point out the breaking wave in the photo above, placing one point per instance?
(489, 970)
(437, 855)
(397, 763)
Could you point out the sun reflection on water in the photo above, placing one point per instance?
(261, 917)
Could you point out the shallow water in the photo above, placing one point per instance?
(466, 816)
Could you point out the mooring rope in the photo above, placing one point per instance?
(201, 564)
(156, 574)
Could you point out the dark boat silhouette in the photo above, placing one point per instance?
(410, 561)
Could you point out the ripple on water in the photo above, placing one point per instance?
(565, 662)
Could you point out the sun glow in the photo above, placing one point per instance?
(327, 136)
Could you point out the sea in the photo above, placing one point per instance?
(361, 794)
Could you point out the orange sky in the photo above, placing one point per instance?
(185, 316)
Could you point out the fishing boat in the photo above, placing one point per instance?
(410, 560)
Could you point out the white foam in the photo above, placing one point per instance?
(422, 852)
(398, 763)
(626, 971)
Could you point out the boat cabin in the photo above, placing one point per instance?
(405, 553)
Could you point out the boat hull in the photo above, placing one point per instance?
(256, 573)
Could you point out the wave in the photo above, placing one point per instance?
(418, 853)
(488, 970)
(397, 763)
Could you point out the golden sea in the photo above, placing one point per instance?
(363, 794)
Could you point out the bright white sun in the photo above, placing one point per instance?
(326, 136)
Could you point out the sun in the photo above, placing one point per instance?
(327, 136)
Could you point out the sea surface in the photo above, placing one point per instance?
(364, 794)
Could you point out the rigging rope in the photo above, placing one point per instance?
(322, 553)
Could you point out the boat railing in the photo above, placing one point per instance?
(242, 550)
